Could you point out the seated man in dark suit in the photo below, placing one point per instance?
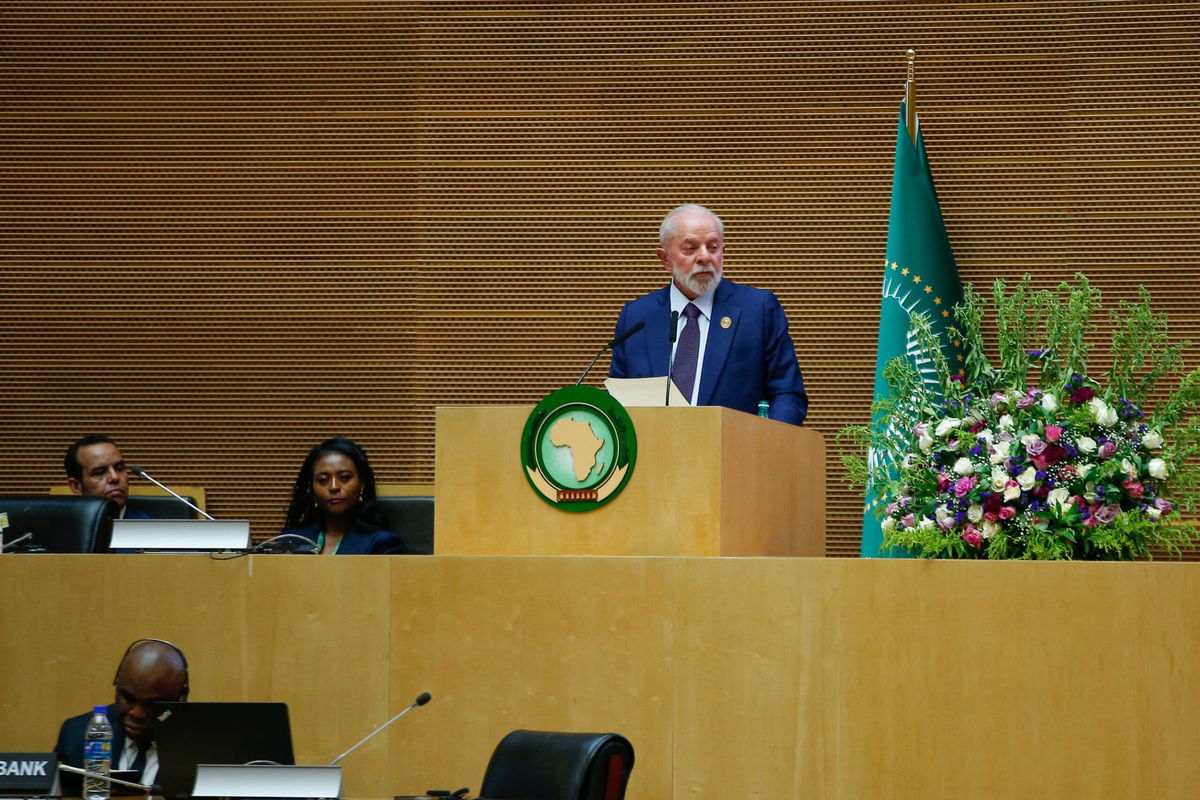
(151, 670)
(95, 467)
(733, 348)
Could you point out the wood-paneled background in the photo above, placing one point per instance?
(231, 229)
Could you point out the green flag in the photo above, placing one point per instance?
(919, 275)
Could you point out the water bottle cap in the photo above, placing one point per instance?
(100, 709)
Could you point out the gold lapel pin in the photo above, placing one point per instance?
(726, 322)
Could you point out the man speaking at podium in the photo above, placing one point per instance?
(732, 348)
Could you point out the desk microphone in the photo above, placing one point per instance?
(12, 546)
(151, 789)
(422, 699)
(287, 543)
(616, 341)
(671, 334)
(141, 473)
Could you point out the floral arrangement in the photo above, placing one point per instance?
(1032, 458)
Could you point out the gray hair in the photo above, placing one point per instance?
(667, 229)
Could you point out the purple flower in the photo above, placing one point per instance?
(1036, 448)
(1107, 450)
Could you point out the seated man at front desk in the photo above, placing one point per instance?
(732, 349)
(151, 670)
(96, 468)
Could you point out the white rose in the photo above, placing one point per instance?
(964, 466)
(990, 529)
(1128, 468)
(888, 525)
(999, 478)
(947, 425)
(1049, 402)
(1012, 492)
(1027, 478)
(1152, 440)
(1157, 468)
(925, 442)
(1153, 512)
(1085, 469)
(975, 512)
(986, 434)
(1086, 444)
(1000, 451)
(925, 524)
(1005, 422)
(941, 513)
(1030, 438)
(1102, 412)
(1059, 498)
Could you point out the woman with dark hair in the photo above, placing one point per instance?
(333, 503)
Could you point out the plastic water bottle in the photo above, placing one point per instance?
(97, 754)
(764, 408)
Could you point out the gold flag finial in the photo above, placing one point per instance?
(910, 96)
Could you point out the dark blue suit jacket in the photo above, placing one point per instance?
(751, 360)
(358, 541)
(69, 748)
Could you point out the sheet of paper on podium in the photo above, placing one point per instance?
(643, 392)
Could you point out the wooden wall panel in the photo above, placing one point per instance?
(229, 230)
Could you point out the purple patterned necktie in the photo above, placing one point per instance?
(687, 352)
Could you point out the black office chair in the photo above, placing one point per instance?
(412, 518)
(162, 506)
(544, 765)
(60, 523)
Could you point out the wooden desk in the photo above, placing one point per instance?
(757, 677)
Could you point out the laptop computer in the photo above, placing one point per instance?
(191, 733)
(180, 535)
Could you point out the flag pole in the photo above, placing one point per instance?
(910, 97)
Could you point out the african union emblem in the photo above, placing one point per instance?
(578, 448)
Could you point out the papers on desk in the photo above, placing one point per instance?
(643, 392)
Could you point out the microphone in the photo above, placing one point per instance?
(148, 789)
(671, 334)
(141, 473)
(616, 341)
(12, 546)
(422, 699)
(286, 543)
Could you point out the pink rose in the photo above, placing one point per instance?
(1053, 432)
(1132, 488)
(1036, 447)
(1102, 514)
(991, 516)
(1107, 450)
(963, 486)
(1025, 401)
(972, 537)
(998, 398)
(908, 520)
(1007, 512)
(943, 482)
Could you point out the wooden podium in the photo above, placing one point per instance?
(742, 486)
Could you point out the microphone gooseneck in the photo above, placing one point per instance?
(147, 788)
(422, 699)
(615, 341)
(141, 473)
(671, 334)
